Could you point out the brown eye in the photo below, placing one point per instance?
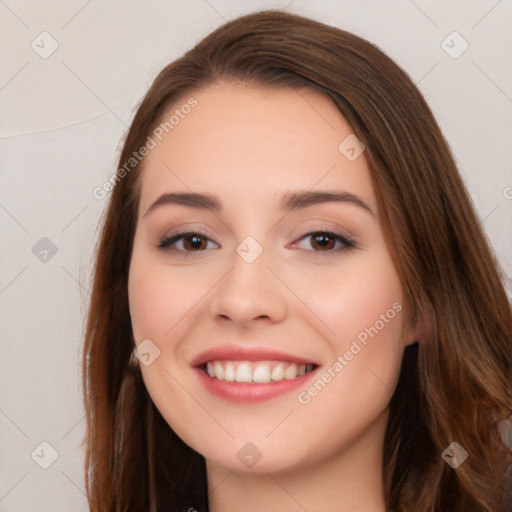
(325, 241)
(193, 242)
(190, 242)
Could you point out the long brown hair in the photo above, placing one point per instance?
(454, 381)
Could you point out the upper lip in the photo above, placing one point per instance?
(243, 353)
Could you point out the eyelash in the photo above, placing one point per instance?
(168, 242)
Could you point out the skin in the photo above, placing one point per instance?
(249, 145)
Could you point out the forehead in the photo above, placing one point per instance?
(253, 143)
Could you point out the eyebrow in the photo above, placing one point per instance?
(290, 200)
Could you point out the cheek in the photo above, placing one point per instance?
(151, 304)
(361, 311)
(159, 299)
(361, 299)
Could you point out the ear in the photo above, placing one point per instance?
(412, 331)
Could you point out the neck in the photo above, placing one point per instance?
(350, 479)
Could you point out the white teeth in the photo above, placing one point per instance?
(278, 372)
(260, 372)
(243, 373)
(219, 370)
(229, 372)
(291, 372)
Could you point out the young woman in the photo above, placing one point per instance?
(318, 319)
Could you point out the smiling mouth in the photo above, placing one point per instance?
(257, 372)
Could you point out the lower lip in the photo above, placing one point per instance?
(249, 393)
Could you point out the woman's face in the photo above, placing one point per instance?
(283, 289)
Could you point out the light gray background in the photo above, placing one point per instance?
(61, 122)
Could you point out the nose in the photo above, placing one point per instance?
(249, 294)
